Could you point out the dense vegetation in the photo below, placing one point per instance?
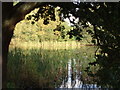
(43, 68)
(29, 31)
(100, 20)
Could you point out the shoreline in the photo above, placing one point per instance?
(49, 45)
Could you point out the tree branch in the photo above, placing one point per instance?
(18, 13)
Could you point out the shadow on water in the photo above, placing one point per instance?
(39, 68)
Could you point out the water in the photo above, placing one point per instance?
(50, 68)
(77, 83)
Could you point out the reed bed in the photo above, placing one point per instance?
(38, 67)
(48, 45)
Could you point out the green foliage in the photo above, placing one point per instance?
(104, 19)
(32, 30)
(40, 68)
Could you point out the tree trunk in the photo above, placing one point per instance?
(11, 16)
(7, 35)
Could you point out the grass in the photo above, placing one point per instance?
(35, 66)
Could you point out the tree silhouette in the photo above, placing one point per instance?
(104, 17)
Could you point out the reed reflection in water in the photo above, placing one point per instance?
(41, 68)
(77, 82)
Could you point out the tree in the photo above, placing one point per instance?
(104, 17)
(11, 15)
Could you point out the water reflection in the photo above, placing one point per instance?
(50, 68)
(77, 81)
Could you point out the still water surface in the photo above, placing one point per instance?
(51, 68)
